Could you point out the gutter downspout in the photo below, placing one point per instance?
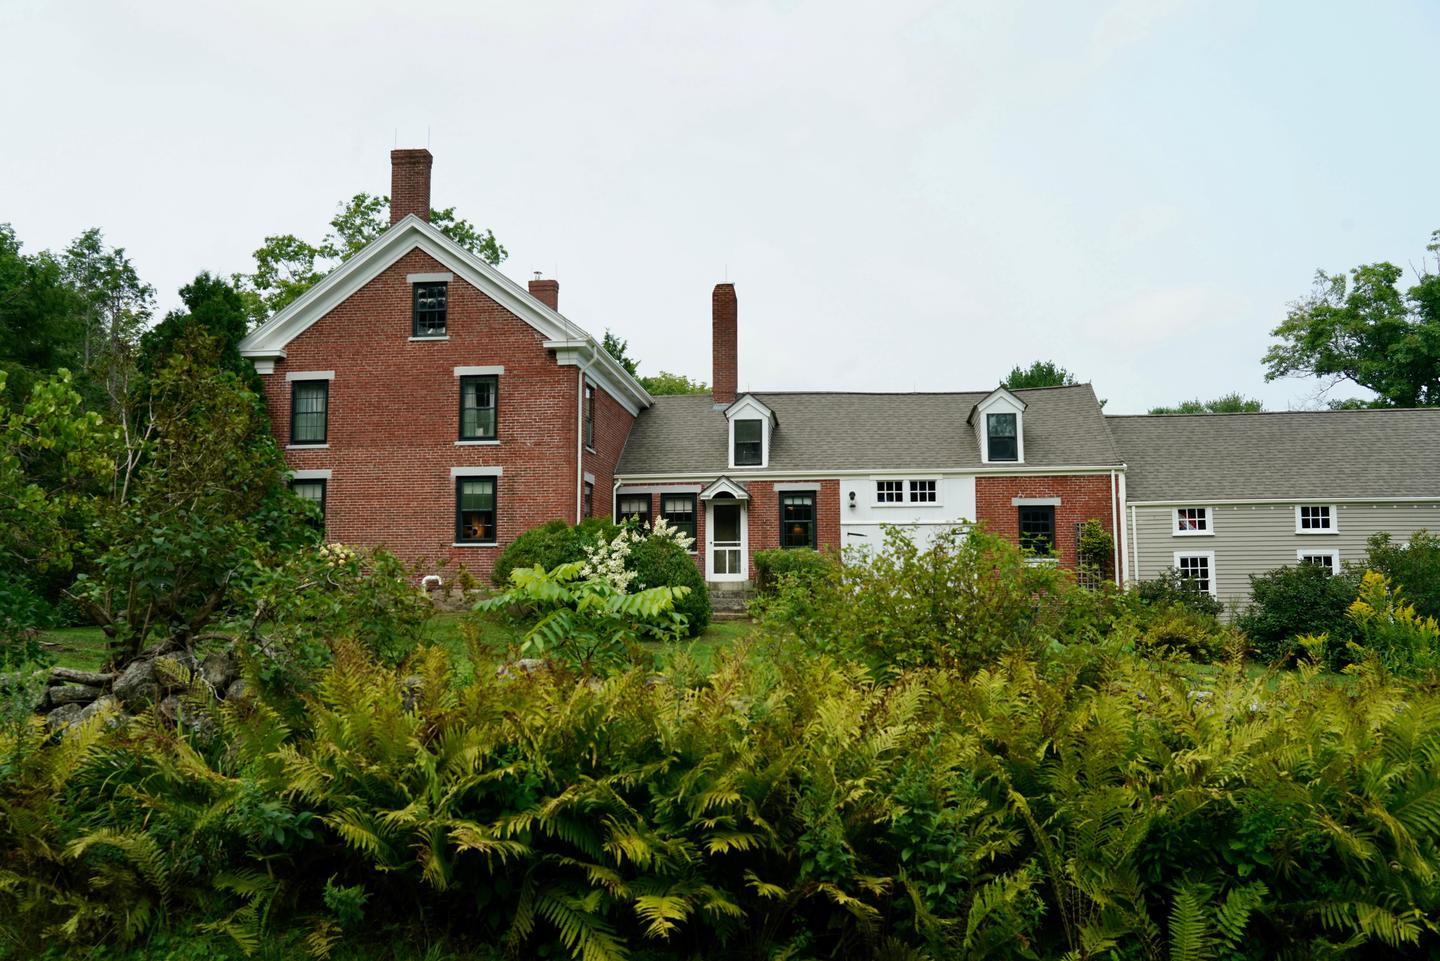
(1124, 535)
(580, 436)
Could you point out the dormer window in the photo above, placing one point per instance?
(752, 428)
(1001, 432)
(998, 420)
(749, 443)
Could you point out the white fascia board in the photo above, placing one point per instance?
(1286, 501)
(997, 397)
(726, 485)
(603, 369)
(748, 403)
(766, 474)
(412, 233)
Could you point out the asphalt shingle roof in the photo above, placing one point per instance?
(1297, 455)
(851, 431)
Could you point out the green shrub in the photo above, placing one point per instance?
(1171, 588)
(660, 562)
(798, 563)
(1391, 630)
(1414, 567)
(1174, 630)
(1290, 601)
(551, 545)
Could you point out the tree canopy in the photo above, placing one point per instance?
(286, 266)
(1366, 329)
(1042, 373)
(1232, 403)
(659, 384)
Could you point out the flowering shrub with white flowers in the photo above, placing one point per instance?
(605, 560)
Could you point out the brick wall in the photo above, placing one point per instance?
(612, 429)
(1083, 497)
(394, 420)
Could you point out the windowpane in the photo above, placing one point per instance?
(679, 512)
(1037, 529)
(589, 416)
(310, 400)
(312, 490)
(1003, 443)
(589, 499)
(1192, 520)
(889, 491)
(430, 310)
(475, 510)
(1326, 561)
(477, 408)
(922, 491)
(1195, 568)
(748, 434)
(1315, 519)
(797, 520)
(634, 507)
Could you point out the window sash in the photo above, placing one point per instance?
(633, 507)
(889, 491)
(479, 407)
(589, 499)
(430, 307)
(312, 490)
(923, 491)
(797, 520)
(475, 510)
(1192, 520)
(749, 441)
(1037, 529)
(1001, 432)
(309, 411)
(589, 416)
(679, 511)
(1316, 517)
(1196, 569)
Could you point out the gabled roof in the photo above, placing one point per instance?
(989, 399)
(851, 431)
(722, 486)
(1294, 455)
(411, 233)
(749, 401)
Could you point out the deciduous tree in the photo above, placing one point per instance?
(1042, 373)
(1232, 403)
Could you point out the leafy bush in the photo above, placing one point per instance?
(798, 563)
(551, 545)
(1391, 630)
(1291, 601)
(1174, 630)
(660, 562)
(587, 622)
(1414, 567)
(1170, 588)
(960, 601)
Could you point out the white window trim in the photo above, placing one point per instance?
(323, 474)
(1209, 530)
(307, 446)
(1334, 527)
(293, 375)
(910, 491)
(427, 340)
(1330, 552)
(491, 371)
(477, 443)
(437, 278)
(764, 443)
(1210, 558)
(1001, 402)
(875, 491)
(476, 472)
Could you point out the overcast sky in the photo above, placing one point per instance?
(907, 196)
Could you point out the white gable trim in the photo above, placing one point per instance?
(747, 403)
(724, 485)
(268, 341)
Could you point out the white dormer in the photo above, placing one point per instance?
(999, 423)
(751, 426)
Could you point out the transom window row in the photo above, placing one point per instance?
(894, 491)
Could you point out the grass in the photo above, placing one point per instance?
(80, 648)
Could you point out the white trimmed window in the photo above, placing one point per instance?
(1315, 519)
(889, 491)
(1197, 567)
(1192, 522)
(1330, 560)
(922, 492)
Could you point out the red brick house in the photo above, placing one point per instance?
(434, 407)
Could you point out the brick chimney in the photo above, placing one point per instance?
(547, 292)
(724, 357)
(410, 184)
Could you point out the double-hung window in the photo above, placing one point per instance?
(922, 492)
(889, 491)
(1192, 521)
(589, 499)
(475, 499)
(589, 417)
(634, 507)
(1197, 569)
(1315, 519)
(1037, 529)
(749, 436)
(309, 411)
(1002, 441)
(797, 520)
(678, 510)
(1330, 560)
(312, 490)
(428, 315)
(478, 404)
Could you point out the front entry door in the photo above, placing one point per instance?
(726, 558)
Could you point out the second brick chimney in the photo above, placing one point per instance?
(547, 292)
(410, 184)
(724, 351)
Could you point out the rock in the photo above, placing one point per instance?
(72, 694)
(170, 708)
(238, 690)
(410, 689)
(526, 665)
(62, 675)
(137, 686)
(176, 672)
(18, 679)
(62, 716)
(218, 670)
(109, 704)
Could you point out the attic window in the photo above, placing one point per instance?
(1001, 437)
(429, 315)
(749, 436)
